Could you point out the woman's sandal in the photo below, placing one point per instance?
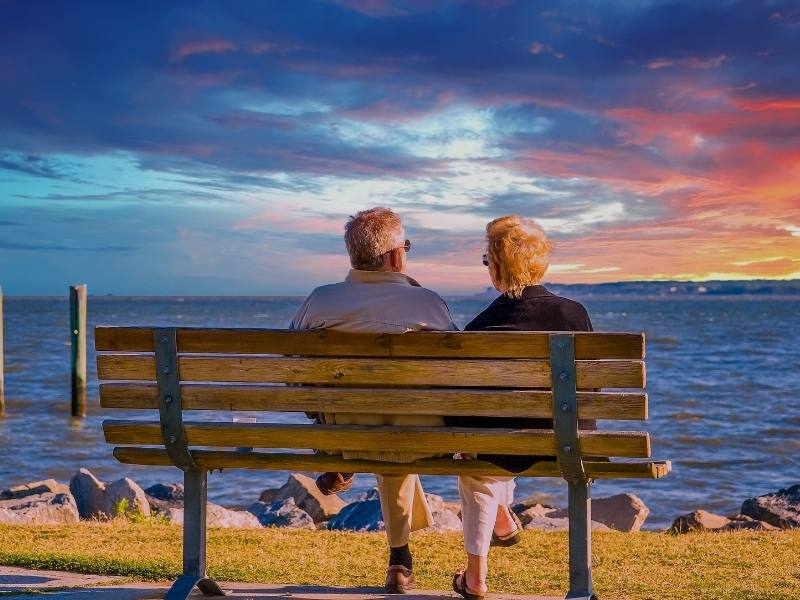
(510, 539)
(460, 587)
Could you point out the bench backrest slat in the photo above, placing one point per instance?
(375, 371)
(431, 401)
(334, 343)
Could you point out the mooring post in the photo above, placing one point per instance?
(77, 324)
(2, 364)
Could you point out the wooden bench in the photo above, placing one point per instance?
(427, 373)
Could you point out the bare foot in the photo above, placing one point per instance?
(504, 524)
(475, 584)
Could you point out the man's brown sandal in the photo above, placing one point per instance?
(509, 539)
(333, 483)
(460, 587)
(400, 580)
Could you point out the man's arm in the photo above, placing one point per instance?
(300, 320)
(451, 324)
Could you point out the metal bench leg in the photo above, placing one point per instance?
(194, 540)
(580, 542)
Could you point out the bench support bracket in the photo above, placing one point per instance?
(195, 480)
(195, 492)
(170, 409)
(570, 462)
(565, 406)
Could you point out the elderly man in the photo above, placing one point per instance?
(377, 297)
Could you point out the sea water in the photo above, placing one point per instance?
(723, 377)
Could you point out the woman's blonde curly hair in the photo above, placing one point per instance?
(519, 249)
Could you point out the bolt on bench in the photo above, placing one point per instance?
(510, 374)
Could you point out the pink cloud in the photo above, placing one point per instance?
(693, 62)
(768, 104)
(292, 221)
(210, 46)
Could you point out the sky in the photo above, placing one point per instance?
(178, 147)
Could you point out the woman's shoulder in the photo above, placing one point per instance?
(493, 316)
(568, 303)
(566, 313)
(537, 310)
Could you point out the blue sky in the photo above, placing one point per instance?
(218, 147)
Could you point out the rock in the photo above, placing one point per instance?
(532, 512)
(88, 492)
(282, 513)
(32, 489)
(163, 496)
(173, 514)
(623, 512)
(303, 490)
(362, 515)
(780, 509)
(217, 516)
(698, 520)
(9, 517)
(743, 522)
(445, 514)
(445, 520)
(95, 499)
(166, 491)
(125, 492)
(41, 509)
(162, 506)
(435, 502)
(530, 501)
(269, 495)
(558, 524)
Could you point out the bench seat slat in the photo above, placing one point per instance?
(630, 444)
(375, 371)
(442, 401)
(333, 343)
(211, 459)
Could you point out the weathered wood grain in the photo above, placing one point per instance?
(505, 344)
(432, 401)
(210, 459)
(375, 371)
(448, 440)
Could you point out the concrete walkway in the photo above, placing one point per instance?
(59, 585)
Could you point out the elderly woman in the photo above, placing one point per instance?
(517, 257)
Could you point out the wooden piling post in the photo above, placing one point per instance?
(2, 364)
(77, 323)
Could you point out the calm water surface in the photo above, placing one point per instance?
(723, 375)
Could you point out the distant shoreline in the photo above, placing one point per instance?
(644, 290)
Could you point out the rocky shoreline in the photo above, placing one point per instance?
(298, 504)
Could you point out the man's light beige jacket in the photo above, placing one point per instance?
(376, 302)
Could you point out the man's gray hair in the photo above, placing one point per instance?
(370, 234)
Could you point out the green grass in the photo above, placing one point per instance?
(641, 566)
